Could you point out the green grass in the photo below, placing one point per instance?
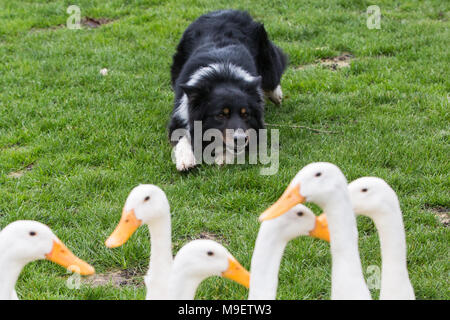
(87, 140)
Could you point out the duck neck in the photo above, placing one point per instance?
(183, 286)
(347, 276)
(395, 283)
(160, 259)
(10, 271)
(266, 259)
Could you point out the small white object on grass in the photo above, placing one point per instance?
(104, 72)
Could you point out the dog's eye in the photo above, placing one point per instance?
(244, 113)
(226, 111)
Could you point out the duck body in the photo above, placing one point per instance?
(374, 198)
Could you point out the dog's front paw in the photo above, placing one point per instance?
(276, 96)
(185, 163)
(184, 156)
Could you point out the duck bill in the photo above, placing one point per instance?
(128, 224)
(290, 198)
(237, 272)
(61, 255)
(320, 230)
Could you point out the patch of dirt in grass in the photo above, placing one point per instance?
(118, 278)
(333, 63)
(94, 22)
(211, 236)
(86, 22)
(342, 61)
(20, 173)
(442, 213)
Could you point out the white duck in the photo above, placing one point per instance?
(325, 185)
(374, 198)
(198, 260)
(148, 204)
(272, 239)
(25, 241)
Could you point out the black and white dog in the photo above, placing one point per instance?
(222, 65)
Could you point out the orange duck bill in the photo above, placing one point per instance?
(128, 224)
(290, 198)
(237, 272)
(61, 255)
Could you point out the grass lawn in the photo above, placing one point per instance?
(74, 143)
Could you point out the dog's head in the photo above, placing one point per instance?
(231, 107)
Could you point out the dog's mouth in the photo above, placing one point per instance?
(236, 141)
(236, 149)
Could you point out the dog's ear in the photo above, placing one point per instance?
(194, 92)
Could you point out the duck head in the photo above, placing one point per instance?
(200, 259)
(146, 204)
(317, 182)
(26, 241)
(372, 196)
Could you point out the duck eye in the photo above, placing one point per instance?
(210, 253)
(318, 174)
(32, 233)
(300, 213)
(364, 190)
(147, 198)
